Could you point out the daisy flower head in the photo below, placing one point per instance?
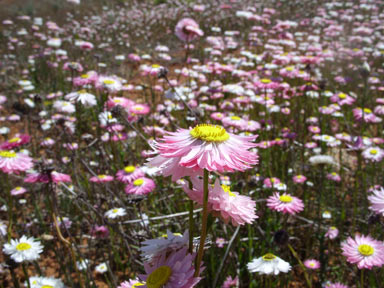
(131, 284)
(82, 96)
(374, 154)
(299, 178)
(223, 203)
(101, 178)
(115, 212)
(364, 251)
(129, 174)
(12, 162)
(335, 285)
(171, 271)
(16, 141)
(45, 282)
(268, 264)
(229, 282)
(205, 146)
(140, 186)
(332, 232)
(377, 200)
(187, 30)
(23, 249)
(101, 268)
(18, 191)
(45, 177)
(152, 248)
(312, 264)
(285, 203)
(139, 109)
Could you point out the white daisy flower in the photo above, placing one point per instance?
(64, 106)
(3, 229)
(82, 264)
(24, 249)
(168, 242)
(268, 264)
(82, 96)
(322, 159)
(45, 282)
(115, 212)
(101, 268)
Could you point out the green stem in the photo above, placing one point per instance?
(301, 265)
(26, 275)
(362, 278)
(204, 224)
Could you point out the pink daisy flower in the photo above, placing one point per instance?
(334, 177)
(335, 285)
(220, 242)
(101, 178)
(374, 154)
(230, 206)
(299, 179)
(131, 284)
(332, 232)
(16, 141)
(139, 109)
(174, 271)
(140, 186)
(377, 200)
(312, 264)
(18, 191)
(364, 251)
(229, 282)
(235, 121)
(12, 162)
(129, 174)
(203, 147)
(366, 115)
(54, 177)
(285, 203)
(187, 30)
(100, 232)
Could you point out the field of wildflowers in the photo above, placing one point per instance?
(177, 144)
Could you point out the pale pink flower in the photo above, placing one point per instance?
(332, 232)
(365, 115)
(101, 178)
(12, 162)
(14, 142)
(299, 179)
(229, 282)
(220, 242)
(18, 191)
(131, 284)
(312, 264)
(223, 203)
(364, 251)
(377, 200)
(46, 177)
(285, 203)
(187, 30)
(374, 154)
(334, 177)
(100, 232)
(336, 285)
(140, 186)
(139, 109)
(203, 147)
(129, 174)
(173, 271)
(235, 121)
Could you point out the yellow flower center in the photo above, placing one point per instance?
(14, 140)
(115, 210)
(18, 188)
(138, 182)
(265, 81)
(373, 151)
(342, 96)
(209, 133)
(84, 76)
(366, 250)
(159, 277)
(47, 286)
(290, 68)
(108, 81)
(235, 118)
(129, 169)
(156, 66)
(285, 198)
(23, 246)
(138, 108)
(101, 176)
(268, 257)
(367, 110)
(7, 154)
(334, 174)
(83, 91)
(312, 264)
(228, 190)
(116, 100)
(137, 285)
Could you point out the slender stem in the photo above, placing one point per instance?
(362, 278)
(26, 275)
(204, 225)
(191, 225)
(301, 265)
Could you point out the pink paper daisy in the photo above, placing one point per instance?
(12, 162)
(187, 30)
(141, 186)
(229, 282)
(174, 271)
(18, 191)
(129, 174)
(364, 251)
(16, 141)
(131, 284)
(332, 232)
(54, 176)
(229, 206)
(377, 200)
(312, 264)
(335, 285)
(204, 147)
(101, 178)
(285, 203)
